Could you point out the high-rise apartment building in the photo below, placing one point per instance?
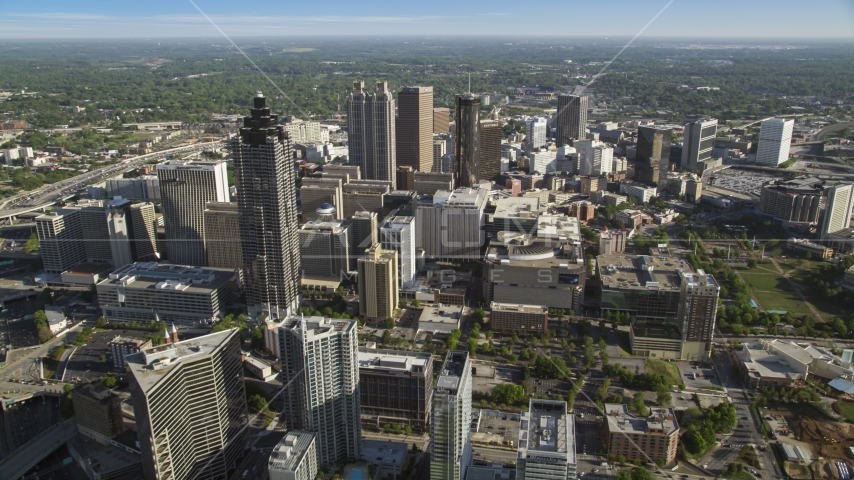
(441, 120)
(467, 140)
(571, 119)
(398, 234)
(698, 140)
(395, 387)
(320, 363)
(449, 224)
(371, 132)
(837, 213)
(653, 155)
(489, 165)
(364, 232)
(190, 428)
(266, 194)
(546, 448)
(594, 158)
(450, 431)
(651, 438)
(294, 458)
(222, 235)
(325, 245)
(96, 234)
(775, 140)
(59, 235)
(378, 283)
(536, 133)
(415, 128)
(185, 188)
(698, 307)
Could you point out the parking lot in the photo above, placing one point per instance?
(587, 435)
(705, 376)
(86, 361)
(493, 422)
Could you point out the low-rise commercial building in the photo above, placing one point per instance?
(641, 192)
(98, 412)
(515, 318)
(387, 457)
(805, 246)
(440, 319)
(395, 387)
(181, 294)
(778, 362)
(654, 438)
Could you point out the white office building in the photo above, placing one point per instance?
(398, 234)
(542, 162)
(595, 158)
(775, 138)
(536, 132)
(450, 436)
(837, 213)
(546, 449)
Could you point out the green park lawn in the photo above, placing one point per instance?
(667, 369)
(789, 302)
(767, 282)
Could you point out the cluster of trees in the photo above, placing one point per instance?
(26, 179)
(334, 307)
(637, 473)
(658, 237)
(621, 318)
(453, 339)
(608, 211)
(42, 327)
(230, 321)
(786, 395)
(32, 243)
(704, 425)
(821, 282)
(548, 367)
(509, 394)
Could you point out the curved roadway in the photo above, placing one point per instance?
(819, 135)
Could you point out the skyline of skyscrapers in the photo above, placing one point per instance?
(570, 119)
(414, 125)
(266, 197)
(371, 132)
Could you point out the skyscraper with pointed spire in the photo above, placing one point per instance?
(266, 195)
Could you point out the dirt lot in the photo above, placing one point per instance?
(828, 439)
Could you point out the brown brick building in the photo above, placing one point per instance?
(641, 438)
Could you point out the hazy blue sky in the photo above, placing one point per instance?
(722, 19)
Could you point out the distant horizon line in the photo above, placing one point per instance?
(378, 36)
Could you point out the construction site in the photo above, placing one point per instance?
(827, 442)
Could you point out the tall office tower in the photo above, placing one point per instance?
(395, 387)
(546, 448)
(594, 157)
(398, 234)
(315, 192)
(415, 128)
(775, 139)
(450, 434)
(467, 140)
(120, 231)
(439, 150)
(449, 225)
(837, 212)
(320, 361)
(185, 188)
(536, 129)
(266, 194)
(324, 245)
(222, 235)
(190, 406)
(698, 140)
(489, 165)
(571, 119)
(405, 178)
(378, 283)
(653, 155)
(59, 233)
(441, 120)
(96, 234)
(364, 232)
(698, 306)
(371, 132)
(294, 458)
(145, 236)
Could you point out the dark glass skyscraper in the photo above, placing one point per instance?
(571, 119)
(466, 139)
(653, 155)
(266, 196)
(489, 165)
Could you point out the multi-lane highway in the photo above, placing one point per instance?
(50, 194)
